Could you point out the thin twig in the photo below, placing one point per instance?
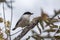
(11, 19)
(4, 15)
(16, 32)
(38, 28)
(56, 31)
(4, 18)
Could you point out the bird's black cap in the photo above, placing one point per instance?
(29, 13)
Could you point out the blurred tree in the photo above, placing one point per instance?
(1, 19)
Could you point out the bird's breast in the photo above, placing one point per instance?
(24, 23)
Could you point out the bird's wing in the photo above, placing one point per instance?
(18, 22)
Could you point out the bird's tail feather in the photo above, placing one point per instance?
(14, 28)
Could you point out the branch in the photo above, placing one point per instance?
(25, 30)
(38, 28)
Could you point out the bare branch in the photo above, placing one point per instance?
(38, 28)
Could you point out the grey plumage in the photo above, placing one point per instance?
(23, 21)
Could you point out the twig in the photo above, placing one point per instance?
(38, 28)
(4, 18)
(11, 19)
(56, 13)
(56, 31)
(16, 32)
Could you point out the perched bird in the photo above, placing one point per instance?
(24, 20)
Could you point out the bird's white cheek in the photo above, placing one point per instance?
(26, 16)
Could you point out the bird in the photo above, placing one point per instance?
(24, 20)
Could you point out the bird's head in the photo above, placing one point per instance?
(28, 13)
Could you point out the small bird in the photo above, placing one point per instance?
(24, 20)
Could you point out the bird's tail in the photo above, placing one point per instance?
(17, 25)
(14, 28)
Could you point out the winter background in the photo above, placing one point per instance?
(34, 6)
